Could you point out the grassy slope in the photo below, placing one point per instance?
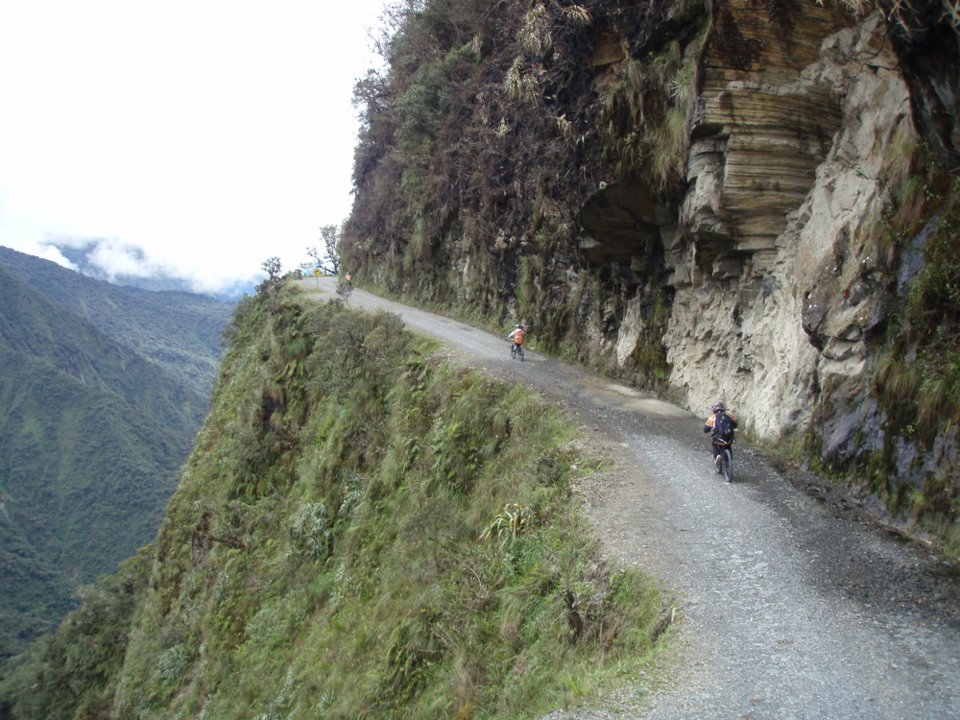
(364, 530)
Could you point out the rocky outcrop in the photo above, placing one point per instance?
(926, 36)
(760, 130)
(781, 282)
(778, 265)
(774, 281)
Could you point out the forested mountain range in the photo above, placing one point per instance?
(102, 389)
(178, 331)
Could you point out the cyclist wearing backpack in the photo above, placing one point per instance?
(722, 424)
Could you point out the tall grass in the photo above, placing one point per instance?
(643, 111)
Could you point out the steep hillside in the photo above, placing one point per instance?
(361, 530)
(91, 439)
(178, 331)
(752, 201)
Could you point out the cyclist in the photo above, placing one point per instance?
(722, 425)
(516, 337)
(345, 286)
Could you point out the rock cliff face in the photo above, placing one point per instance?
(777, 280)
(695, 196)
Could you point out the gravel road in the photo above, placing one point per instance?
(791, 600)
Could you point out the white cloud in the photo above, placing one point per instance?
(211, 134)
(54, 255)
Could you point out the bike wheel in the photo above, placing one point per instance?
(727, 464)
(520, 353)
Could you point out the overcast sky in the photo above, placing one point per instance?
(211, 134)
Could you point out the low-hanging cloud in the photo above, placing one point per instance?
(116, 260)
(198, 164)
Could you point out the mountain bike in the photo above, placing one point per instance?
(516, 352)
(724, 461)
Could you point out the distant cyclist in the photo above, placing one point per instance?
(517, 337)
(722, 425)
(345, 286)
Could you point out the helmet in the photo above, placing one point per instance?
(518, 327)
(717, 407)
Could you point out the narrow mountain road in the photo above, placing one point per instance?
(789, 605)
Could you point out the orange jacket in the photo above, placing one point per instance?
(516, 336)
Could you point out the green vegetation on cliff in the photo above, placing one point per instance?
(907, 439)
(490, 132)
(608, 173)
(361, 530)
(917, 379)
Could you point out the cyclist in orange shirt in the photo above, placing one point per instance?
(516, 337)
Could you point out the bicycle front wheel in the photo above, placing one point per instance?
(727, 463)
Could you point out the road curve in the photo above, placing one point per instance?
(789, 607)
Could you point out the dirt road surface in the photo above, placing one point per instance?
(791, 601)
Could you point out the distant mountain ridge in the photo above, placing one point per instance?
(142, 320)
(103, 389)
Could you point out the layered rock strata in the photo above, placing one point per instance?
(773, 272)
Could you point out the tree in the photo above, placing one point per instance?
(272, 267)
(329, 260)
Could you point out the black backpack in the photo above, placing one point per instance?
(723, 427)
